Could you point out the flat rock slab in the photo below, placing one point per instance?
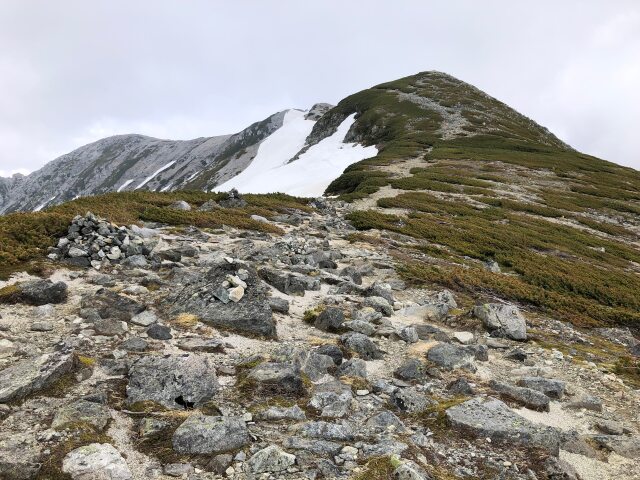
(251, 315)
(489, 417)
(97, 461)
(204, 435)
(33, 374)
(173, 381)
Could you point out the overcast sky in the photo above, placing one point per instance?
(74, 71)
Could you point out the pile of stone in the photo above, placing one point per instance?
(94, 241)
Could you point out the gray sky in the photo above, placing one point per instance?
(74, 71)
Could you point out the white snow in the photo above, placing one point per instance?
(311, 173)
(161, 169)
(164, 189)
(40, 207)
(124, 185)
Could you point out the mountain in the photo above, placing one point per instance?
(462, 303)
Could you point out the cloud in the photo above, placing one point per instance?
(73, 71)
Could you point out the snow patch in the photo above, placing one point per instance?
(311, 173)
(161, 169)
(40, 207)
(124, 185)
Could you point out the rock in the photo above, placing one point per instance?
(280, 305)
(96, 461)
(410, 400)
(270, 459)
(81, 412)
(178, 469)
(314, 365)
(276, 378)
(385, 421)
(315, 446)
(465, 338)
(205, 435)
(180, 205)
(362, 345)
(144, 319)
(259, 218)
(502, 320)
(408, 334)
(134, 344)
(75, 252)
(360, 326)
(332, 399)
(45, 311)
(202, 345)
(527, 397)
(588, 402)
(173, 381)
(109, 304)
(379, 304)
(487, 417)
(329, 320)
(159, 332)
(550, 387)
(149, 428)
(251, 316)
(408, 470)
(274, 414)
(33, 374)
(625, 445)
(411, 370)
(7, 348)
(332, 351)
(354, 367)
(35, 292)
(289, 283)
(110, 327)
(233, 200)
(610, 427)
(236, 294)
(20, 456)
(41, 327)
(461, 386)
(136, 261)
(451, 357)
(328, 431)
(220, 463)
(208, 206)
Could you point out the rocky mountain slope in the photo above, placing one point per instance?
(465, 308)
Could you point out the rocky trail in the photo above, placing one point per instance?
(181, 353)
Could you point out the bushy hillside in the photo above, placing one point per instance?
(25, 237)
(471, 181)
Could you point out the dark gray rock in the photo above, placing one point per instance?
(250, 316)
(362, 345)
(109, 327)
(379, 304)
(332, 351)
(385, 421)
(332, 399)
(159, 332)
(588, 402)
(624, 445)
(36, 292)
(202, 345)
(329, 320)
(328, 431)
(314, 365)
(527, 397)
(450, 356)
(411, 370)
(173, 381)
(289, 283)
(280, 305)
(461, 386)
(489, 417)
(277, 378)
(205, 435)
(109, 304)
(313, 445)
(134, 344)
(552, 388)
(354, 367)
(411, 400)
(20, 456)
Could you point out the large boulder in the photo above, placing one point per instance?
(205, 435)
(487, 417)
(271, 459)
(329, 320)
(362, 345)
(551, 387)
(35, 292)
(452, 357)
(33, 374)
(502, 320)
(20, 456)
(82, 412)
(173, 381)
(203, 296)
(97, 461)
(528, 397)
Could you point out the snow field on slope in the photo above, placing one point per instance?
(311, 173)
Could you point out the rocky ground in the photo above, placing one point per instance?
(235, 354)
